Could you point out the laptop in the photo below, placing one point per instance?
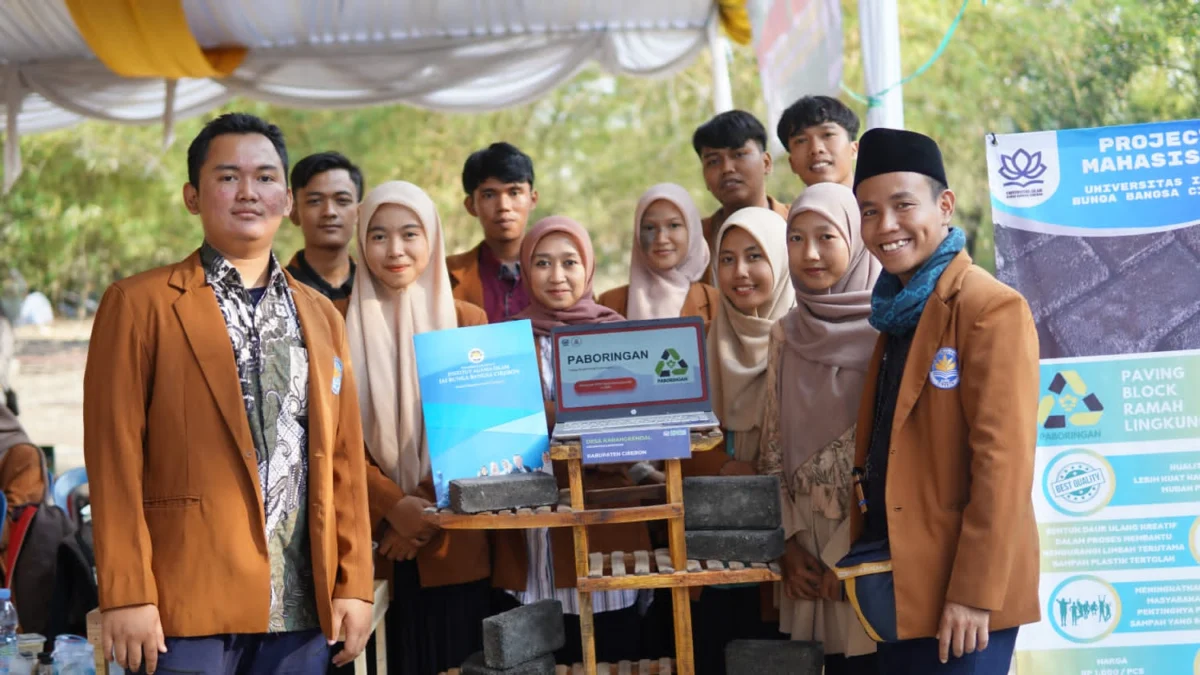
(632, 375)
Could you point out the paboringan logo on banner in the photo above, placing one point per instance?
(1067, 402)
(1024, 168)
(1084, 609)
(1079, 482)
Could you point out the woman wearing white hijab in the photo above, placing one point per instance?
(668, 258)
(816, 369)
(440, 588)
(751, 270)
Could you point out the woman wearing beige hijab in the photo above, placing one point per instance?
(751, 270)
(668, 258)
(440, 588)
(817, 363)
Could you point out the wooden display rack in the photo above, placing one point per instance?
(662, 568)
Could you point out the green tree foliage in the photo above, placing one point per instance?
(101, 201)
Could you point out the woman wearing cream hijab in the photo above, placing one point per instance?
(752, 277)
(816, 369)
(668, 258)
(440, 586)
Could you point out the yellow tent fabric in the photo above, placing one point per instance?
(735, 20)
(141, 38)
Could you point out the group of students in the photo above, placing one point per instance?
(236, 492)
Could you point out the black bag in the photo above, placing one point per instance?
(51, 569)
(35, 535)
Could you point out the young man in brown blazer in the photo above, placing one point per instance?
(732, 148)
(947, 427)
(224, 444)
(498, 181)
(327, 188)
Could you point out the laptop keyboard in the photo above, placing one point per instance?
(627, 422)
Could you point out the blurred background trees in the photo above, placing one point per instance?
(100, 201)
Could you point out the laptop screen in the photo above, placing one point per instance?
(627, 366)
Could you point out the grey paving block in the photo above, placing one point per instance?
(739, 545)
(774, 657)
(1186, 336)
(1134, 311)
(1121, 252)
(1056, 273)
(476, 665)
(1013, 243)
(496, 493)
(523, 634)
(1190, 236)
(1048, 346)
(731, 503)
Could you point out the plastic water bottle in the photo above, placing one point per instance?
(8, 630)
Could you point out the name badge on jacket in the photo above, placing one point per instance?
(944, 372)
(337, 375)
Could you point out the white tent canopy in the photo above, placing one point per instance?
(453, 55)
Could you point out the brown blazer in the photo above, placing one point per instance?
(176, 500)
(451, 557)
(510, 566)
(464, 276)
(712, 224)
(702, 300)
(960, 476)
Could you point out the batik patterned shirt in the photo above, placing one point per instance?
(272, 365)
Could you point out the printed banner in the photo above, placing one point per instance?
(1100, 230)
(640, 445)
(482, 397)
(798, 44)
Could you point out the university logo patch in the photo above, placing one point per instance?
(944, 372)
(337, 375)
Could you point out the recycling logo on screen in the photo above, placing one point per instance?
(670, 364)
(1069, 403)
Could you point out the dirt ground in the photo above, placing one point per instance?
(48, 379)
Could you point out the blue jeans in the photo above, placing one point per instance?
(920, 657)
(299, 653)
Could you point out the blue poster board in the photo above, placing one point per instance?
(481, 394)
(1100, 230)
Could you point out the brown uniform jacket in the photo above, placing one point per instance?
(451, 557)
(177, 505)
(960, 472)
(464, 276)
(702, 301)
(712, 224)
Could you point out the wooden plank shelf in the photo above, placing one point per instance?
(643, 667)
(645, 569)
(662, 568)
(550, 516)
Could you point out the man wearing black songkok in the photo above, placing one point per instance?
(947, 426)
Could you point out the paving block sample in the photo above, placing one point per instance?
(774, 657)
(477, 665)
(740, 545)
(731, 503)
(523, 634)
(498, 493)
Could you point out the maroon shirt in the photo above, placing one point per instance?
(503, 293)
